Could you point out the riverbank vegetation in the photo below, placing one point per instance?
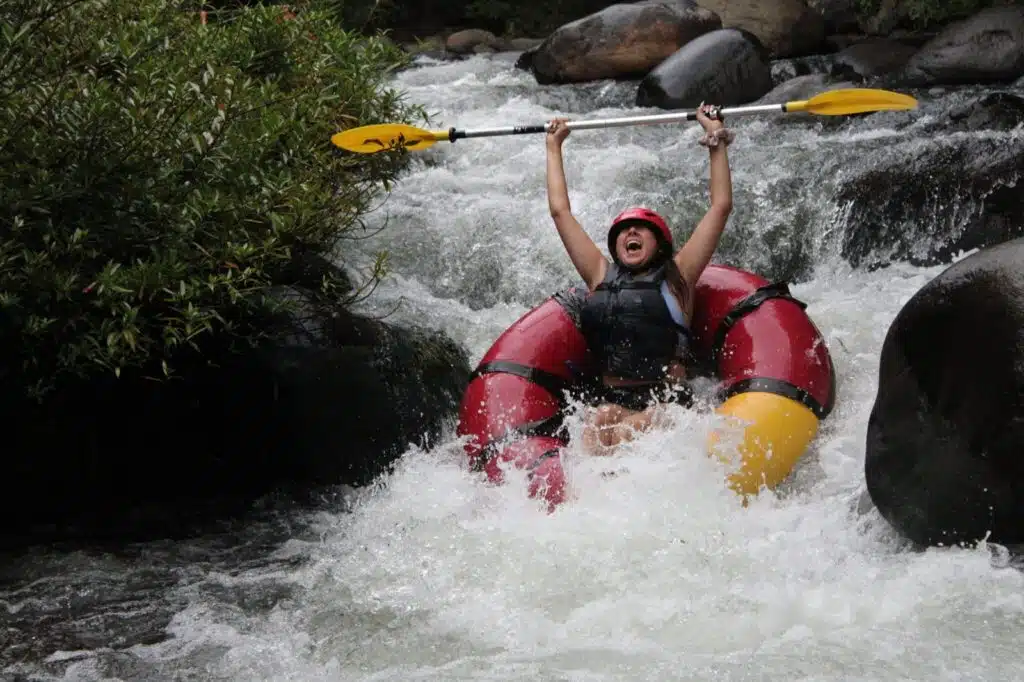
(923, 14)
(163, 172)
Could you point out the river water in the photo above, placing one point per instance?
(653, 571)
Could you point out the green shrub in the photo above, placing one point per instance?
(158, 176)
(926, 13)
(922, 14)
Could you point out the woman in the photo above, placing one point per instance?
(635, 317)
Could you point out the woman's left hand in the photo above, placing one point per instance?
(710, 117)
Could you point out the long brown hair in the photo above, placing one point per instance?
(676, 283)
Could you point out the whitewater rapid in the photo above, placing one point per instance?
(654, 571)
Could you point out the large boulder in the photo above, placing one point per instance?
(988, 47)
(472, 40)
(945, 437)
(725, 67)
(334, 403)
(804, 87)
(923, 203)
(621, 41)
(871, 58)
(787, 28)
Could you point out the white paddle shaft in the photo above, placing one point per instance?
(675, 117)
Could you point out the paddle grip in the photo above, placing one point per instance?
(454, 134)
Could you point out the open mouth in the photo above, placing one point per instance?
(634, 244)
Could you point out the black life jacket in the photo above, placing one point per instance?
(629, 328)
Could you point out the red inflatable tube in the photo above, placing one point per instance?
(753, 334)
(513, 404)
(756, 336)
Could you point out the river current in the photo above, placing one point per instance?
(653, 571)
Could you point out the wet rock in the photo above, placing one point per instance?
(725, 67)
(943, 462)
(621, 41)
(802, 87)
(925, 203)
(523, 44)
(987, 47)
(787, 28)
(466, 42)
(993, 111)
(784, 69)
(525, 60)
(806, 87)
(871, 58)
(333, 403)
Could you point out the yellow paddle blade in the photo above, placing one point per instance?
(385, 137)
(853, 101)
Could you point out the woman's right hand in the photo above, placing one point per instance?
(557, 132)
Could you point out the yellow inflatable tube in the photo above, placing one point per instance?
(776, 432)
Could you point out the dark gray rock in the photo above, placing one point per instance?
(806, 87)
(943, 462)
(923, 203)
(334, 402)
(993, 111)
(985, 48)
(871, 58)
(802, 87)
(785, 69)
(725, 67)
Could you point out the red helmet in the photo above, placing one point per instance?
(638, 214)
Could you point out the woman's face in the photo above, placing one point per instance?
(636, 245)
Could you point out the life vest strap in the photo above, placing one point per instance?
(744, 308)
(775, 290)
(778, 387)
(552, 427)
(540, 460)
(552, 383)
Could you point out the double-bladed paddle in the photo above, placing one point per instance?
(390, 136)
